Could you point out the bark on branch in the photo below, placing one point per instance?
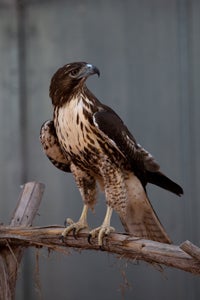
(19, 235)
(11, 255)
(123, 245)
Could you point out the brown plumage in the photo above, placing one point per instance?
(89, 139)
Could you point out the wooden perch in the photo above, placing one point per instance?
(10, 256)
(191, 249)
(19, 235)
(123, 245)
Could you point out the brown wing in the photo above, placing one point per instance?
(52, 147)
(142, 162)
(108, 122)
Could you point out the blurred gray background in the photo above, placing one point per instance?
(148, 53)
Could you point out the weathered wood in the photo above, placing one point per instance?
(28, 204)
(10, 255)
(127, 247)
(191, 249)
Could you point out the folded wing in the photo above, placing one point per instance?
(52, 147)
(142, 162)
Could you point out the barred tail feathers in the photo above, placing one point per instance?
(140, 219)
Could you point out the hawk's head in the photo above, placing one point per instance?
(68, 79)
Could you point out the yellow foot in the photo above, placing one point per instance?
(101, 232)
(74, 227)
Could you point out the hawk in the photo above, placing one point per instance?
(88, 139)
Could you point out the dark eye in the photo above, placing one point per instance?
(74, 72)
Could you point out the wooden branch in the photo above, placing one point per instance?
(28, 204)
(10, 255)
(191, 249)
(16, 237)
(123, 245)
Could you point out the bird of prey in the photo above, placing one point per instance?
(88, 139)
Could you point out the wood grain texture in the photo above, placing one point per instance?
(191, 249)
(10, 257)
(124, 246)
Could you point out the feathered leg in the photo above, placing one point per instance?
(87, 187)
(116, 197)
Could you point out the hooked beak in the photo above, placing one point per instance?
(87, 71)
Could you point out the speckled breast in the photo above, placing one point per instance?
(76, 134)
(79, 137)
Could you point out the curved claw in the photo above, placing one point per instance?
(104, 231)
(100, 232)
(73, 227)
(62, 238)
(89, 238)
(75, 232)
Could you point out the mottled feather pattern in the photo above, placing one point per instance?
(89, 139)
(52, 147)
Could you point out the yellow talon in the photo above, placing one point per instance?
(76, 226)
(104, 230)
